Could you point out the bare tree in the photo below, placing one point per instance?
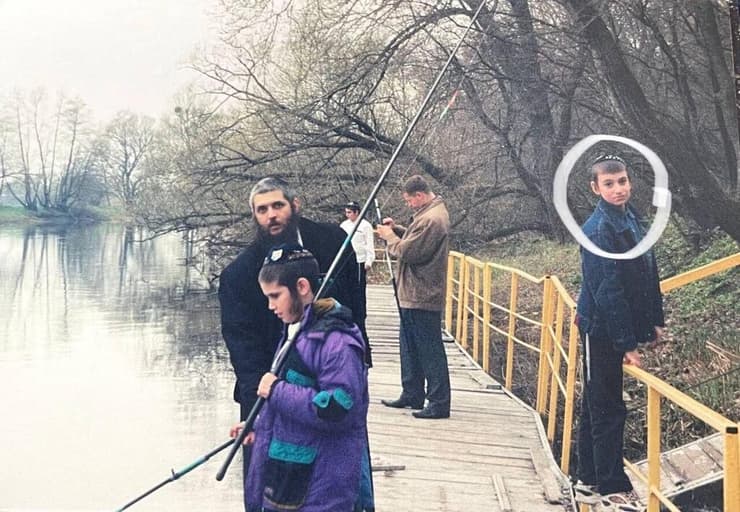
(130, 138)
(686, 141)
(47, 158)
(322, 90)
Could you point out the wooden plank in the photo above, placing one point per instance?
(550, 485)
(501, 493)
(688, 467)
(714, 451)
(448, 464)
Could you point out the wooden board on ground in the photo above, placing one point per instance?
(687, 467)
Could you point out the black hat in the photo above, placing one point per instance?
(606, 157)
(285, 253)
(353, 205)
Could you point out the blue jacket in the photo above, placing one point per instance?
(620, 300)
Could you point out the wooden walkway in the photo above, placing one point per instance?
(490, 455)
(687, 467)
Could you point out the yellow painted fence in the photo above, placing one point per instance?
(483, 311)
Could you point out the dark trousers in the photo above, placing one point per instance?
(362, 302)
(603, 413)
(246, 450)
(423, 358)
(361, 310)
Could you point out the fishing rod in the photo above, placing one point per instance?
(177, 474)
(388, 259)
(281, 356)
(285, 349)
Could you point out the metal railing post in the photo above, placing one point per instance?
(653, 448)
(570, 392)
(556, 343)
(463, 340)
(477, 308)
(513, 297)
(487, 292)
(731, 462)
(543, 373)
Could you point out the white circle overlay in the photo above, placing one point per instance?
(661, 196)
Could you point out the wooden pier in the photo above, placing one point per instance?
(490, 455)
(687, 467)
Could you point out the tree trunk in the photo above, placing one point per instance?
(699, 190)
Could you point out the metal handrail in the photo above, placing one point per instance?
(468, 303)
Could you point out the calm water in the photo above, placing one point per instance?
(112, 372)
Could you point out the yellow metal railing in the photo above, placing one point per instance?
(476, 319)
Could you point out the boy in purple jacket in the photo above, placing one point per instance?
(310, 438)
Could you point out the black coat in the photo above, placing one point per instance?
(250, 329)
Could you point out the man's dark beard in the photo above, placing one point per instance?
(289, 235)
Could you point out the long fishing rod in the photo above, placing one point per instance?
(402, 143)
(281, 356)
(388, 259)
(177, 474)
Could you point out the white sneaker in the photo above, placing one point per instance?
(620, 502)
(585, 493)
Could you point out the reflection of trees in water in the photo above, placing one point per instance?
(113, 268)
(199, 356)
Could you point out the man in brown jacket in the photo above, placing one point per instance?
(421, 250)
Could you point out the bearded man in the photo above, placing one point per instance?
(250, 329)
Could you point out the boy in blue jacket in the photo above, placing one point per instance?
(620, 306)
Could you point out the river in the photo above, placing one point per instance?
(112, 373)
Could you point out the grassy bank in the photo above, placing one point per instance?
(16, 215)
(700, 356)
(701, 342)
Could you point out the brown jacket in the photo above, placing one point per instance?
(422, 257)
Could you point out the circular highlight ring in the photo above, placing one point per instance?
(661, 196)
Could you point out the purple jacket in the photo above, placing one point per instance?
(311, 432)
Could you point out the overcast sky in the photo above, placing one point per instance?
(114, 54)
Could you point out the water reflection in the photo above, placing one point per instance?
(112, 372)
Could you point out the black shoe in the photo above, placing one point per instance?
(428, 413)
(402, 403)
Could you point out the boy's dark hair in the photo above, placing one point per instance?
(415, 184)
(286, 263)
(353, 205)
(607, 164)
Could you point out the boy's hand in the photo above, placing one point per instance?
(658, 334)
(265, 385)
(234, 432)
(632, 357)
(659, 338)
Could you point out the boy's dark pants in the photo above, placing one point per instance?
(603, 413)
(245, 409)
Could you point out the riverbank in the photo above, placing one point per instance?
(17, 215)
(699, 355)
